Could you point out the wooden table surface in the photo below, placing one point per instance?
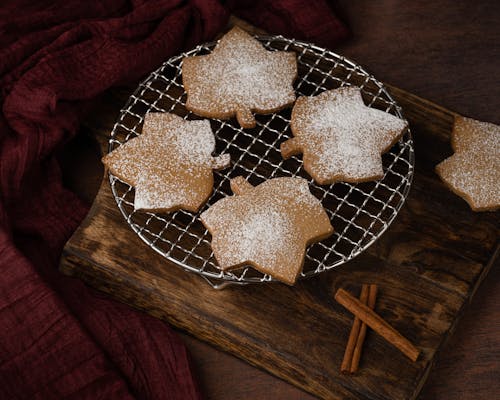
(446, 51)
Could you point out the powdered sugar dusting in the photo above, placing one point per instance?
(474, 170)
(261, 236)
(165, 191)
(341, 137)
(170, 163)
(186, 142)
(239, 75)
(267, 227)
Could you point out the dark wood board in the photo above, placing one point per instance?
(427, 265)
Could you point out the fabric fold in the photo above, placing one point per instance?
(59, 338)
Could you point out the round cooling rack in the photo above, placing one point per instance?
(359, 213)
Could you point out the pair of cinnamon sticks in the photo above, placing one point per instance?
(356, 339)
(365, 316)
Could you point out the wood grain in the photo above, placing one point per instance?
(444, 51)
(299, 333)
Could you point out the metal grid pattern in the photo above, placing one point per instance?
(360, 213)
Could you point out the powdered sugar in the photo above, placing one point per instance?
(151, 192)
(268, 227)
(341, 138)
(170, 163)
(185, 142)
(473, 171)
(261, 236)
(239, 76)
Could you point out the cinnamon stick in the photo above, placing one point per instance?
(374, 321)
(353, 336)
(356, 355)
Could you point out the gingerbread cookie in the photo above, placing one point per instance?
(268, 226)
(169, 164)
(341, 139)
(239, 77)
(473, 172)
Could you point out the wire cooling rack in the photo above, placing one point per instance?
(360, 213)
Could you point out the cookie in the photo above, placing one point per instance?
(473, 172)
(169, 164)
(341, 139)
(267, 226)
(239, 77)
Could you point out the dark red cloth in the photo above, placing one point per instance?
(310, 20)
(59, 338)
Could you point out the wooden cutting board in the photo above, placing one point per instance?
(427, 265)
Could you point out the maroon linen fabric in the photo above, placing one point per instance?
(310, 20)
(58, 338)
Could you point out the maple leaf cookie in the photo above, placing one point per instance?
(473, 172)
(169, 164)
(239, 77)
(340, 137)
(268, 226)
